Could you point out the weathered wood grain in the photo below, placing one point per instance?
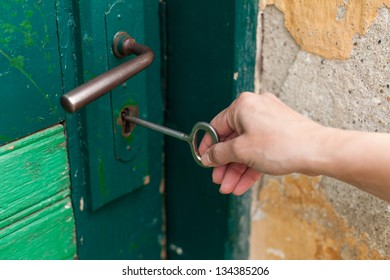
(32, 170)
(46, 234)
(36, 218)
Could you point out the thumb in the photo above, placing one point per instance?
(220, 154)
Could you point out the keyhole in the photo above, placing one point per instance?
(127, 127)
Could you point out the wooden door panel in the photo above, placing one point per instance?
(30, 70)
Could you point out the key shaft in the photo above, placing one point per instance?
(159, 128)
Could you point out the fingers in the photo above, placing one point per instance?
(219, 173)
(237, 178)
(231, 178)
(226, 156)
(246, 181)
(221, 126)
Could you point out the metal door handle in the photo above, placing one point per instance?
(122, 46)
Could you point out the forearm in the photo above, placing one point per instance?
(359, 158)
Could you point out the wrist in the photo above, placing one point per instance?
(318, 154)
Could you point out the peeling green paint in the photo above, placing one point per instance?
(25, 27)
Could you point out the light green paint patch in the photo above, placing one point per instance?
(48, 57)
(45, 27)
(129, 140)
(29, 13)
(26, 28)
(131, 102)
(18, 63)
(8, 28)
(36, 218)
(5, 138)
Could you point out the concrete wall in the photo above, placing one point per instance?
(330, 60)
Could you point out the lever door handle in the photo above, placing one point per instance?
(122, 46)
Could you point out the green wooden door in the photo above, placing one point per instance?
(36, 217)
(72, 180)
(71, 186)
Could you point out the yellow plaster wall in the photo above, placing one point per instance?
(326, 27)
(294, 220)
(293, 217)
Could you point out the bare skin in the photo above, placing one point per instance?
(260, 134)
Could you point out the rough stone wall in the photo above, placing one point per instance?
(299, 217)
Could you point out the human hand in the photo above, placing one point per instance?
(258, 134)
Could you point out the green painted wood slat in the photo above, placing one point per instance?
(33, 169)
(47, 234)
(36, 216)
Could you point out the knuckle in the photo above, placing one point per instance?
(267, 94)
(245, 99)
(244, 96)
(236, 150)
(213, 155)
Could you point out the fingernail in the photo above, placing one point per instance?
(206, 159)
